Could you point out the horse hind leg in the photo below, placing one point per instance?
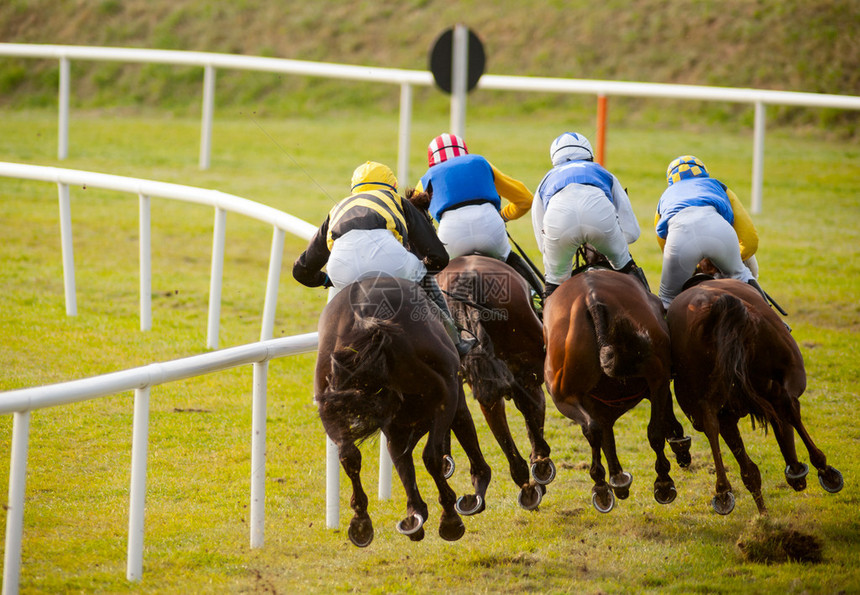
(619, 480)
(658, 430)
(723, 501)
(532, 406)
(601, 494)
(750, 474)
(795, 472)
(451, 527)
(401, 443)
(360, 527)
(464, 429)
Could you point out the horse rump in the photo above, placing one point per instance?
(733, 329)
(356, 402)
(623, 344)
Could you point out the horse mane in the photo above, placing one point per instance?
(732, 329)
(622, 344)
(357, 388)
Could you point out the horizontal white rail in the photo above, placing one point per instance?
(220, 201)
(406, 78)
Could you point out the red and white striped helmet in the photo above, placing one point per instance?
(445, 146)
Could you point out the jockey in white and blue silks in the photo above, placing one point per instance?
(580, 202)
(700, 217)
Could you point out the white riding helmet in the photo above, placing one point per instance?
(570, 146)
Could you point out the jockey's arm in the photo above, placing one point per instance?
(515, 192)
(423, 239)
(743, 225)
(626, 217)
(307, 269)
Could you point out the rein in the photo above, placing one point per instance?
(525, 256)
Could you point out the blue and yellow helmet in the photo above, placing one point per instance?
(686, 166)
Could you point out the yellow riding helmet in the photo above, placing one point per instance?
(686, 166)
(375, 176)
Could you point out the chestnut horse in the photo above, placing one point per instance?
(386, 363)
(733, 357)
(491, 300)
(607, 349)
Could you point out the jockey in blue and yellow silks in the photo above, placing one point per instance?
(466, 194)
(580, 202)
(376, 232)
(700, 217)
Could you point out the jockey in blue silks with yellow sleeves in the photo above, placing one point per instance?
(466, 194)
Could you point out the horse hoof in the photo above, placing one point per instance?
(602, 499)
(452, 529)
(360, 532)
(797, 480)
(620, 484)
(830, 479)
(530, 497)
(665, 494)
(469, 504)
(543, 471)
(448, 466)
(723, 503)
(411, 526)
(681, 448)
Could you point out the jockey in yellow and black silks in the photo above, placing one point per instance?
(373, 232)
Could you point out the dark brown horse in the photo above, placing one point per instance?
(491, 300)
(386, 363)
(607, 349)
(733, 357)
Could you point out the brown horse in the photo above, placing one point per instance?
(491, 300)
(733, 357)
(607, 349)
(386, 363)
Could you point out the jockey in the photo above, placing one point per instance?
(579, 202)
(465, 198)
(367, 234)
(700, 217)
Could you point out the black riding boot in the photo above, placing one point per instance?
(435, 294)
(635, 270)
(518, 263)
(548, 289)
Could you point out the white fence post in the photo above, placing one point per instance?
(216, 277)
(758, 158)
(15, 506)
(63, 124)
(258, 454)
(272, 281)
(137, 489)
(68, 249)
(145, 249)
(208, 107)
(404, 134)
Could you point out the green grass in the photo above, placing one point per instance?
(197, 508)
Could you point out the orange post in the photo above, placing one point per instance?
(601, 129)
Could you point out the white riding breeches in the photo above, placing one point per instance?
(578, 214)
(363, 253)
(474, 228)
(696, 233)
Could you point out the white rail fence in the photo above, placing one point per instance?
(22, 402)
(406, 79)
(222, 202)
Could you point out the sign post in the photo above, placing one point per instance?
(457, 62)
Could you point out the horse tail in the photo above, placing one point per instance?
(357, 399)
(733, 331)
(623, 344)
